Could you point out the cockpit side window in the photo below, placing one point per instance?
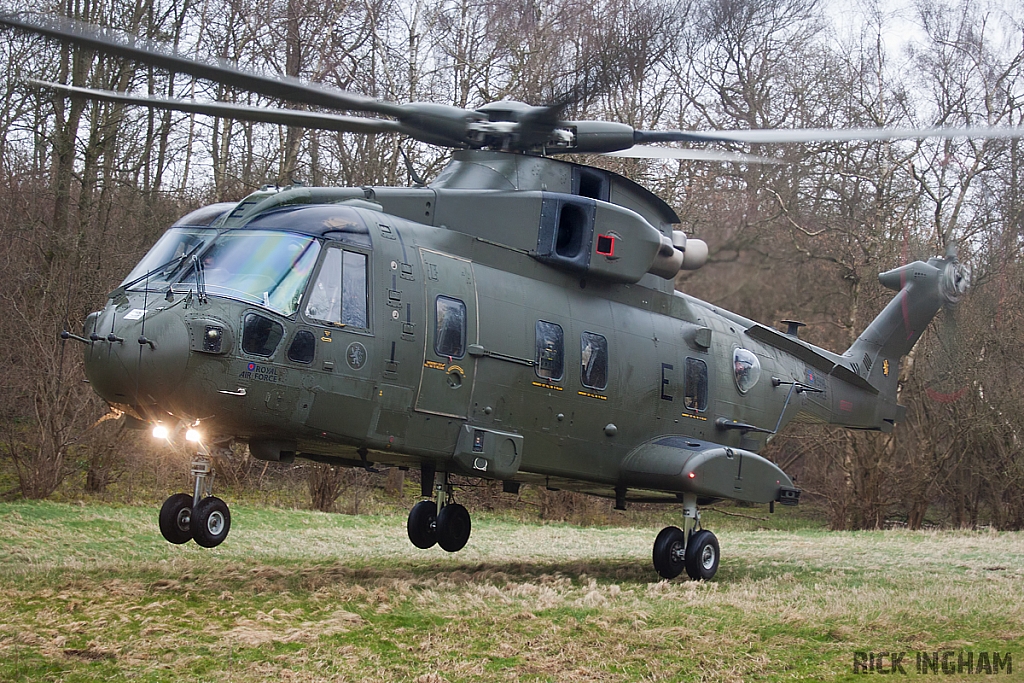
(353, 276)
(339, 294)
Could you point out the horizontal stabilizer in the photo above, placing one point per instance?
(806, 353)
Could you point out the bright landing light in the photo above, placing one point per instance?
(193, 435)
(160, 432)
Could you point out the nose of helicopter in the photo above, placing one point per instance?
(137, 357)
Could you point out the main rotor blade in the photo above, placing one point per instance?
(775, 135)
(648, 152)
(149, 52)
(286, 117)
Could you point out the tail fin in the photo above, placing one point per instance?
(923, 289)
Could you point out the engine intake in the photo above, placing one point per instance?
(587, 236)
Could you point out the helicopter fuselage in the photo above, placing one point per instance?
(467, 348)
(515, 320)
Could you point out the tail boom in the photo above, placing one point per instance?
(923, 288)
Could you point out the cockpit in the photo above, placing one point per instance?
(268, 263)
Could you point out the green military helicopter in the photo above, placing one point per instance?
(515, 319)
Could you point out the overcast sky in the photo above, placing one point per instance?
(900, 23)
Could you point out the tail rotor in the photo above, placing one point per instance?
(947, 363)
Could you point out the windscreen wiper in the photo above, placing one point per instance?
(200, 271)
(176, 261)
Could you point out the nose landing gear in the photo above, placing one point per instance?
(442, 520)
(201, 516)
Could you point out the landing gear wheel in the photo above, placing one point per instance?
(453, 527)
(422, 520)
(669, 556)
(176, 518)
(702, 556)
(211, 522)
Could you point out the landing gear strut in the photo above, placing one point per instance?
(200, 516)
(691, 548)
(442, 520)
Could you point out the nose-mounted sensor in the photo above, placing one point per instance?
(213, 339)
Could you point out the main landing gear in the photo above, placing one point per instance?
(693, 549)
(201, 516)
(441, 520)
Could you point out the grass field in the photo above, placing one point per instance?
(91, 592)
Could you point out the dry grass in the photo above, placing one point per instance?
(92, 592)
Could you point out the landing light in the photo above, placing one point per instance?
(160, 432)
(193, 435)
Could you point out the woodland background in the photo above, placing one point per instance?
(86, 188)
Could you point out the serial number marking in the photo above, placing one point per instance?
(695, 417)
(546, 386)
(590, 395)
(434, 364)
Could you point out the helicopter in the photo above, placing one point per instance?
(516, 319)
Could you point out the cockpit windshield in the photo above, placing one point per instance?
(166, 257)
(268, 268)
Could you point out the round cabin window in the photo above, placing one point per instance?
(747, 369)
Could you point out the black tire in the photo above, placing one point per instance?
(422, 519)
(669, 552)
(176, 518)
(211, 522)
(453, 527)
(702, 556)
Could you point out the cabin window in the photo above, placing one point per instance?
(339, 295)
(450, 327)
(303, 347)
(747, 369)
(695, 385)
(550, 350)
(593, 360)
